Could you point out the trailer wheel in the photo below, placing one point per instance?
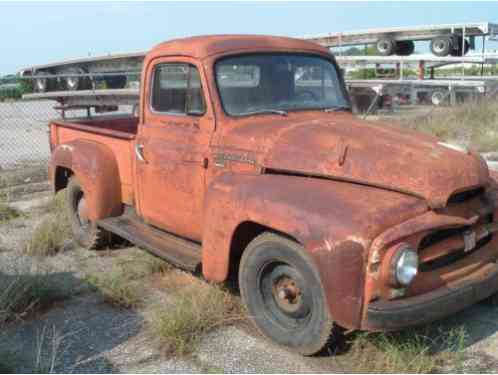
(441, 46)
(405, 47)
(86, 232)
(438, 97)
(386, 46)
(42, 84)
(457, 51)
(73, 83)
(281, 289)
(115, 82)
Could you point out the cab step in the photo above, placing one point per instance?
(181, 252)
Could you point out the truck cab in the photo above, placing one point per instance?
(246, 162)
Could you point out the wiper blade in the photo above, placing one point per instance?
(335, 109)
(263, 111)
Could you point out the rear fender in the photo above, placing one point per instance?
(96, 169)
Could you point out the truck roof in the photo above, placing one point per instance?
(203, 46)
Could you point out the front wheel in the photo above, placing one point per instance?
(85, 231)
(281, 289)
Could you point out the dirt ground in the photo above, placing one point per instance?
(89, 335)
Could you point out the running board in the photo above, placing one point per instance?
(181, 252)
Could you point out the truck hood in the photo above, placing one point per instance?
(340, 146)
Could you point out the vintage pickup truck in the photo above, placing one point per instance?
(246, 162)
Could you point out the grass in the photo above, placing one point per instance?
(6, 211)
(123, 285)
(197, 308)
(117, 289)
(51, 234)
(408, 352)
(22, 294)
(473, 124)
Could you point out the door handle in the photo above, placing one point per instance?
(139, 152)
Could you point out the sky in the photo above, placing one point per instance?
(40, 32)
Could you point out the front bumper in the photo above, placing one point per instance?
(427, 307)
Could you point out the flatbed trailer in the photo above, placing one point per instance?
(421, 61)
(116, 69)
(436, 92)
(446, 39)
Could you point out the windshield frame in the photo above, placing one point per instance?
(329, 58)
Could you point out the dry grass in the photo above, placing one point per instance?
(123, 286)
(408, 352)
(141, 264)
(51, 234)
(196, 309)
(6, 211)
(22, 294)
(473, 124)
(117, 289)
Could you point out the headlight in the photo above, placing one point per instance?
(404, 265)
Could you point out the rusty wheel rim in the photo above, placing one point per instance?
(287, 294)
(284, 295)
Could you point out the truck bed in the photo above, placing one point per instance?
(114, 131)
(118, 126)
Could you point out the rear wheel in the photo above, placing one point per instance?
(85, 231)
(281, 289)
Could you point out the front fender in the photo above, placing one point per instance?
(95, 167)
(334, 222)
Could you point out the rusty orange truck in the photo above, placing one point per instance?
(245, 162)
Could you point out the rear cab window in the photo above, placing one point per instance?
(177, 90)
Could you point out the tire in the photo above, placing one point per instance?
(86, 232)
(405, 48)
(458, 50)
(386, 46)
(492, 300)
(41, 85)
(115, 82)
(76, 83)
(282, 291)
(438, 97)
(441, 46)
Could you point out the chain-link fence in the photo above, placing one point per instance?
(23, 133)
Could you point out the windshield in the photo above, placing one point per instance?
(265, 83)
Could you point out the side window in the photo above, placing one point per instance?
(177, 89)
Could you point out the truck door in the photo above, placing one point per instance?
(172, 147)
